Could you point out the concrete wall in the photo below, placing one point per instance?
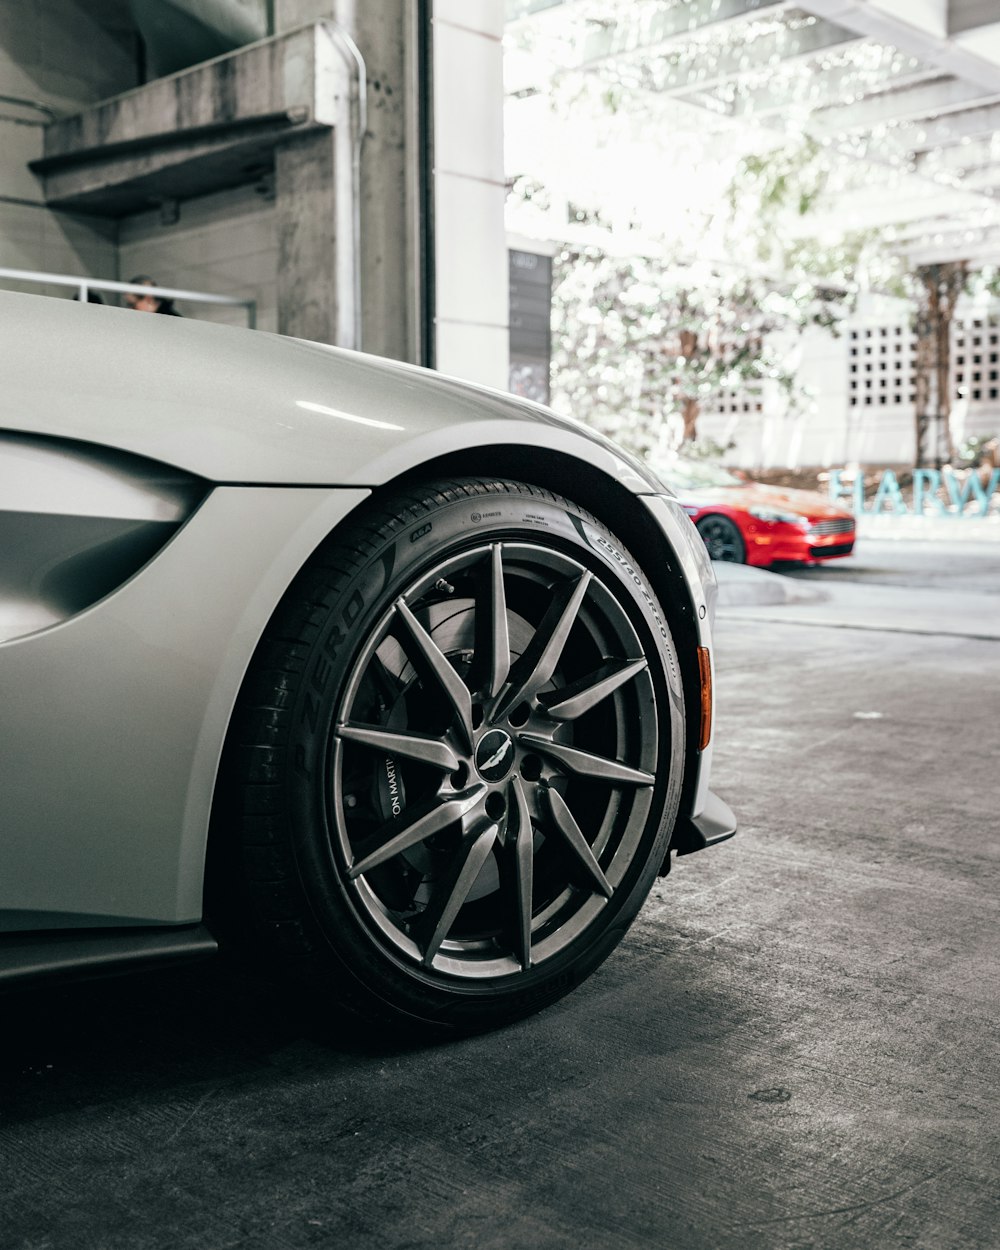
(67, 53)
(224, 243)
(227, 242)
(41, 60)
(58, 52)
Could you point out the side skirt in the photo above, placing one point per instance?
(24, 956)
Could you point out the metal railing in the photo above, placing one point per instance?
(85, 285)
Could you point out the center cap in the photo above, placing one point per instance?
(495, 755)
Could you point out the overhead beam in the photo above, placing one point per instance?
(903, 146)
(982, 247)
(774, 96)
(901, 104)
(976, 154)
(893, 201)
(637, 32)
(688, 69)
(986, 179)
(970, 15)
(197, 131)
(948, 226)
(957, 58)
(946, 131)
(514, 10)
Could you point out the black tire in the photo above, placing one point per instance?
(458, 756)
(722, 538)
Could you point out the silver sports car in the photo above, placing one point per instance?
(401, 683)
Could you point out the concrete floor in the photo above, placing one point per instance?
(796, 1045)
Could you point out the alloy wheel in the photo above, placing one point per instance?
(492, 765)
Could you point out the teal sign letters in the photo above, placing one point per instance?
(927, 484)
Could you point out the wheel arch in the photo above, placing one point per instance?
(580, 482)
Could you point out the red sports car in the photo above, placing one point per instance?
(751, 523)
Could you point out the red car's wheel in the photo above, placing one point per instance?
(722, 538)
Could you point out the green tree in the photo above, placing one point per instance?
(643, 345)
(938, 288)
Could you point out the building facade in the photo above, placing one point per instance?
(297, 153)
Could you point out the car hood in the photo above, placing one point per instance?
(244, 406)
(811, 503)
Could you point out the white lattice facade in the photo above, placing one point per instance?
(859, 406)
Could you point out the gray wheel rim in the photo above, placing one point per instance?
(493, 762)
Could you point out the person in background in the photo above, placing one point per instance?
(148, 303)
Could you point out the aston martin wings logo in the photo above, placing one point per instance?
(497, 756)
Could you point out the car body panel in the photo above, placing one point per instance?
(114, 720)
(808, 503)
(78, 520)
(285, 412)
(25, 956)
(697, 569)
(115, 715)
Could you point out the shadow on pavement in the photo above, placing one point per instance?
(78, 1043)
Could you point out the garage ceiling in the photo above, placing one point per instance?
(906, 91)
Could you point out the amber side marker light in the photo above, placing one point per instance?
(705, 675)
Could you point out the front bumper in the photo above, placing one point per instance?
(714, 823)
(704, 818)
(768, 543)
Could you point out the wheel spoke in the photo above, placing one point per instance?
(411, 746)
(450, 682)
(539, 661)
(385, 679)
(583, 764)
(431, 818)
(573, 835)
(581, 696)
(523, 852)
(449, 896)
(492, 640)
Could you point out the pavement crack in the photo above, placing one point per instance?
(187, 1119)
(709, 889)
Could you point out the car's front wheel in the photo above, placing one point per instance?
(722, 538)
(458, 756)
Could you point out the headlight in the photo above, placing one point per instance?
(772, 514)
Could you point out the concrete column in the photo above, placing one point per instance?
(291, 13)
(314, 190)
(310, 296)
(471, 321)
